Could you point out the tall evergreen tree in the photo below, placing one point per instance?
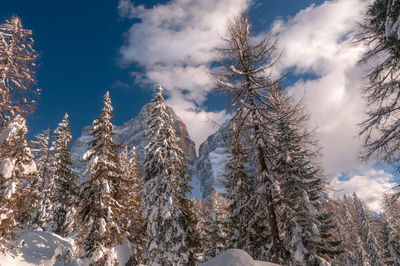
(165, 207)
(215, 225)
(130, 186)
(99, 213)
(43, 215)
(65, 178)
(17, 70)
(299, 175)
(366, 233)
(16, 168)
(391, 227)
(239, 189)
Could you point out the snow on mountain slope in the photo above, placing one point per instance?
(210, 164)
(235, 257)
(132, 133)
(206, 170)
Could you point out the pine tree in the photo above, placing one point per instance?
(391, 225)
(130, 186)
(17, 70)
(200, 230)
(366, 233)
(215, 225)
(246, 75)
(165, 207)
(299, 175)
(66, 182)
(99, 213)
(43, 215)
(16, 168)
(239, 188)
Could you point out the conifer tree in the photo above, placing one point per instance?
(99, 212)
(130, 186)
(299, 175)
(16, 168)
(17, 70)
(239, 189)
(165, 207)
(65, 179)
(43, 215)
(391, 226)
(246, 75)
(215, 225)
(366, 233)
(200, 230)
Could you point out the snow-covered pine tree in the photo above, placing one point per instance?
(42, 218)
(366, 233)
(99, 229)
(391, 226)
(165, 207)
(199, 214)
(66, 194)
(16, 168)
(239, 189)
(17, 70)
(130, 186)
(354, 252)
(215, 225)
(247, 76)
(299, 175)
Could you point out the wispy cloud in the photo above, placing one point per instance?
(318, 41)
(370, 184)
(174, 43)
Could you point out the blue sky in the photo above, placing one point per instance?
(79, 43)
(88, 47)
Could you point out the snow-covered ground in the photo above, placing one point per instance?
(235, 257)
(46, 249)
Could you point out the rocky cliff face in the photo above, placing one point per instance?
(206, 170)
(210, 164)
(132, 133)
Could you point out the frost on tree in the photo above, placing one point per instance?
(99, 228)
(43, 185)
(17, 70)
(240, 188)
(215, 226)
(246, 71)
(66, 188)
(391, 228)
(130, 186)
(16, 169)
(380, 34)
(301, 190)
(367, 233)
(165, 207)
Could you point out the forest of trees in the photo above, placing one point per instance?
(275, 206)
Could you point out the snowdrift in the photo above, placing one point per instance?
(47, 249)
(235, 257)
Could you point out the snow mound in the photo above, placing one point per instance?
(36, 248)
(47, 249)
(235, 257)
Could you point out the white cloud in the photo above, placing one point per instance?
(369, 184)
(174, 43)
(318, 41)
